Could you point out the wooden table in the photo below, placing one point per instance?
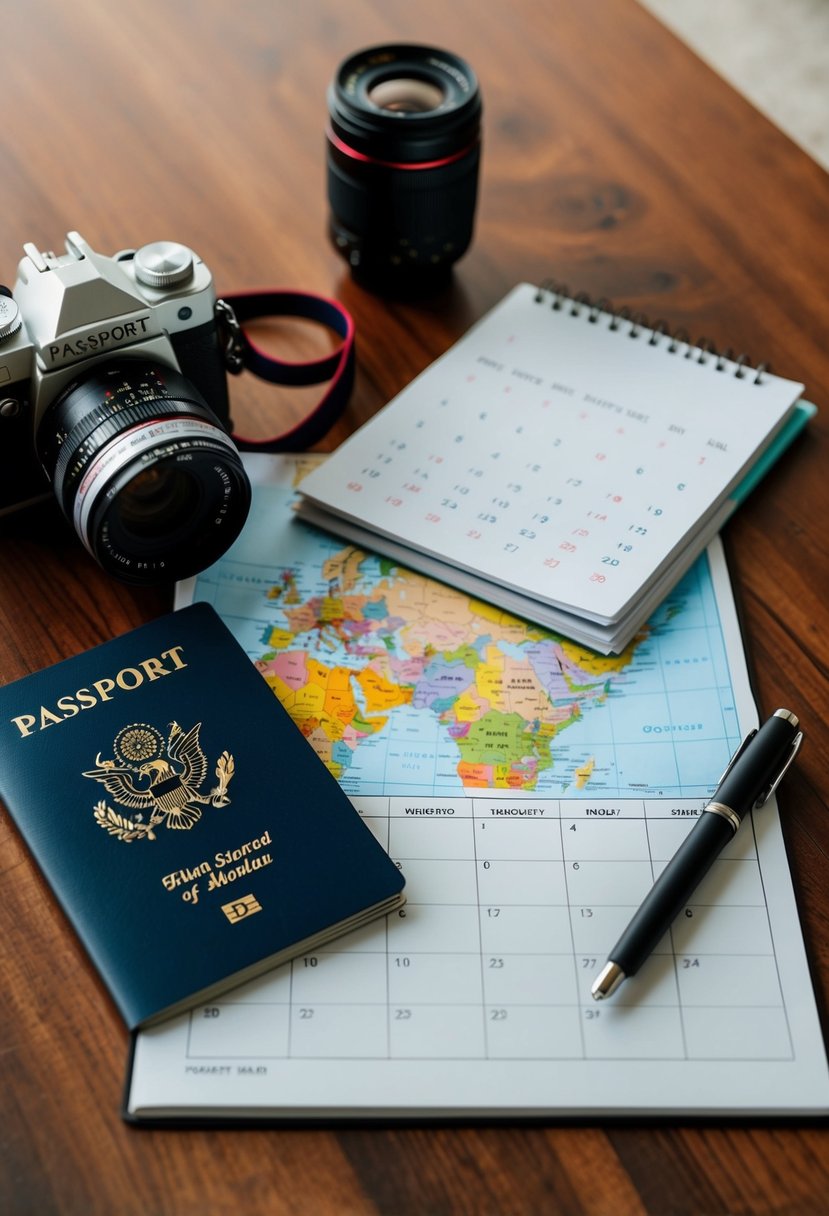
(615, 162)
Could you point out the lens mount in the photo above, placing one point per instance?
(144, 471)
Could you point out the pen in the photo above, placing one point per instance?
(752, 776)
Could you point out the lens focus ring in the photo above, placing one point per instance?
(98, 405)
(92, 433)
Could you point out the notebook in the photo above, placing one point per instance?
(561, 461)
(530, 791)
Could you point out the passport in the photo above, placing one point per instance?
(190, 833)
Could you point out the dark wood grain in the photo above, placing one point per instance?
(615, 162)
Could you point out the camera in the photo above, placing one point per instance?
(403, 150)
(113, 390)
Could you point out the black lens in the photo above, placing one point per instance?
(144, 471)
(403, 156)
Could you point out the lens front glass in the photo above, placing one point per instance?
(156, 502)
(406, 95)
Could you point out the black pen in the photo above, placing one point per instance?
(752, 776)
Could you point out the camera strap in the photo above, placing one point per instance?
(337, 367)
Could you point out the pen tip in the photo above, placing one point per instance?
(607, 981)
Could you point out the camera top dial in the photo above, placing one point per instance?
(163, 264)
(10, 318)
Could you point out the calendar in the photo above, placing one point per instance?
(474, 999)
(558, 461)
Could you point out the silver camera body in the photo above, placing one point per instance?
(113, 388)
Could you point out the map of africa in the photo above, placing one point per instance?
(405, 686)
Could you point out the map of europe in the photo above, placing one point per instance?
(403, 685)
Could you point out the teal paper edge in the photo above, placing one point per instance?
(794, 424)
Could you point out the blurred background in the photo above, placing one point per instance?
(776, 54)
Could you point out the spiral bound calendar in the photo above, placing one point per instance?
(564, 462)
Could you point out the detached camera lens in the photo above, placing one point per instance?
(144, 470)
(403, 155)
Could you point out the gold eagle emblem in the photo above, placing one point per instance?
(157, 779)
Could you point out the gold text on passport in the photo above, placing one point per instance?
(126, 680)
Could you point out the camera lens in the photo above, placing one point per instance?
(144, 470)
(403, 152)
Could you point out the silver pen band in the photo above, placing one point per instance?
(719, 808)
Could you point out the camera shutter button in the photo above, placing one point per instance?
(163, 264)
(10, 318)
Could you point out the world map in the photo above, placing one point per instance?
(403, 685)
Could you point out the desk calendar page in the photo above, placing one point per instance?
(557, 453)
(531, 791)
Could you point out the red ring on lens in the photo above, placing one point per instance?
(392, 164)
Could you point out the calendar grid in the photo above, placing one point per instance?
(673, 954)
(572, 937)
(484, 1028)
(513, 905)
(771, 938)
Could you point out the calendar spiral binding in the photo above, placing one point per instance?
(678, 340)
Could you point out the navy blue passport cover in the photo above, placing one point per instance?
(188, 830)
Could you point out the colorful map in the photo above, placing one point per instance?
(405, 686)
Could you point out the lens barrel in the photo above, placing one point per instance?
(144, 471)
(403, 151)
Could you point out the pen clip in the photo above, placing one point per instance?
(795, 748)
(737, 755)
